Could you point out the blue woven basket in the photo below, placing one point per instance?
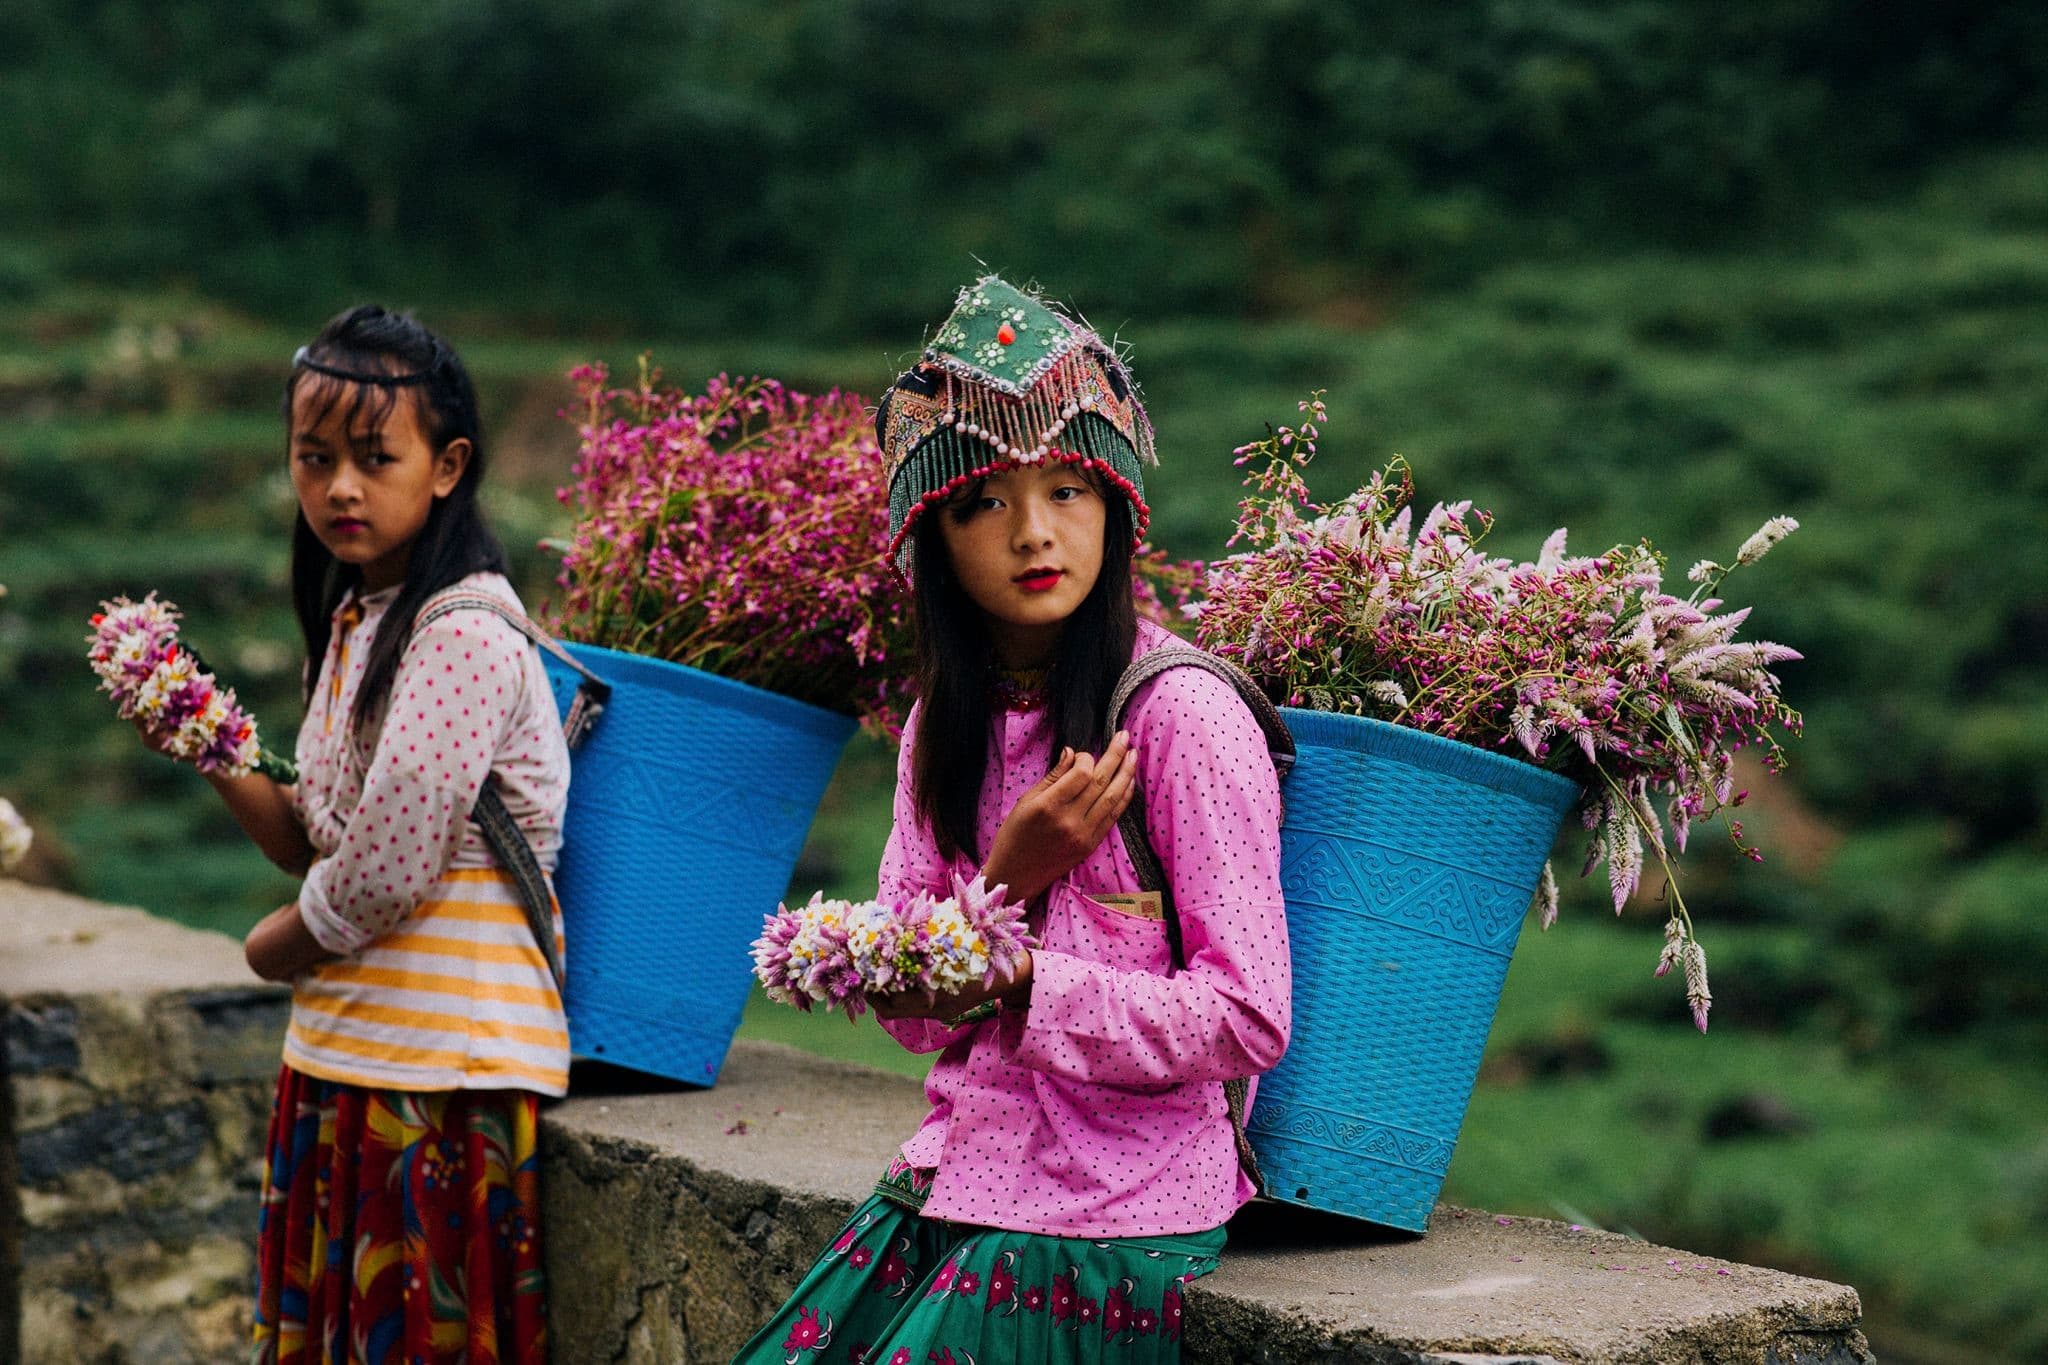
(687, 808)
(1408, 862)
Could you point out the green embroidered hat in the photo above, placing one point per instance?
(1007, 380)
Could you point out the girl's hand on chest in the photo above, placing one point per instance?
(1062, 819)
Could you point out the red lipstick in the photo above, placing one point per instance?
(1038, 580)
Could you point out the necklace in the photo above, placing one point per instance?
(1017, 689)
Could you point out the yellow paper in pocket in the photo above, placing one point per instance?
(1142, 904)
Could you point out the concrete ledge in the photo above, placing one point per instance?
(679, 1219)
(135, 1081)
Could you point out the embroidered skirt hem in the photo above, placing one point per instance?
(896, 1288)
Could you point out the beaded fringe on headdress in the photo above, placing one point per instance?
(1008, 381)
(952, 459)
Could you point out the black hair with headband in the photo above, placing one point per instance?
(302, 359)
(367, 361)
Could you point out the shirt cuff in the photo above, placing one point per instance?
(922, 1035)
(328, 929)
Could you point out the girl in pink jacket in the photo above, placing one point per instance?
(1079, 1158)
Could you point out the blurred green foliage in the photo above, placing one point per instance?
(833, 164)
(1642, 269)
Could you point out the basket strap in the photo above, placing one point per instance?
(1138, 843)
(592, 693)
(515, 854)
(1149, 665)
(1279, 743)
(501, 832)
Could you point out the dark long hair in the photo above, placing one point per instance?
(949, 757)
(396, 357)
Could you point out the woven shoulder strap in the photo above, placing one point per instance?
(1137, 843)
(1279, 743)
(501, 832)
(592, 693)
(1147, 666)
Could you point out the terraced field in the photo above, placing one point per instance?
(1871, 1103)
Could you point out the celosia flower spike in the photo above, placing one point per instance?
(1696, 993)
(1674, 946)
(1582, 664)
(1767, 535)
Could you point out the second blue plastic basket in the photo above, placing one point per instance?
(1408, 862)
(687, 807)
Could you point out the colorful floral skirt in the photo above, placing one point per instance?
(400, 1227)
(895, 1288)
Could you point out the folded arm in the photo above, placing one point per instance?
(455, 690)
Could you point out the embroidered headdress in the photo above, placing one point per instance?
(1008, 381)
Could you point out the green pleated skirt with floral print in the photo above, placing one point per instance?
(895, 1288)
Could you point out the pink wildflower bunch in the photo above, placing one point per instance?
(837, 953)
(742, 530)
(1582, 664)
(1163, 588)
(134, 650)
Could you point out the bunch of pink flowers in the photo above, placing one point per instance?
(742, 530)
(1582, 664)
(135, 651)
(837, 953)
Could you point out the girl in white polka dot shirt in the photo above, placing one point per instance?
(400, 1208)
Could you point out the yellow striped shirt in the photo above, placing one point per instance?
(459, 998)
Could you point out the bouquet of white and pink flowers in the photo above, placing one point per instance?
(1584, 664)
(837, 953)
(134, 648)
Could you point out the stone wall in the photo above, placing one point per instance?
(678, 1221)
(139, 1082)
(137, 1075)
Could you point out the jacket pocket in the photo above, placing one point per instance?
(1125, 939)
(1143, 904)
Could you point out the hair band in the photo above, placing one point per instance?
(302, 359)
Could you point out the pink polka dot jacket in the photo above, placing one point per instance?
(388, 814)
(1098, 1111)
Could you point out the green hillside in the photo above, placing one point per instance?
(1662, 268)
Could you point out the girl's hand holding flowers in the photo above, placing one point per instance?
(177, 707)
(1011, 988)
(181, 712)
(923, 955)
(1063, 818)
(157, 741)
